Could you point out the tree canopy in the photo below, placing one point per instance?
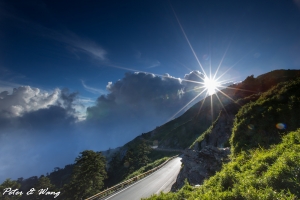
(88, 175)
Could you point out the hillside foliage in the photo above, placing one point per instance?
(257, 174)
(265, 146)
(263, 122)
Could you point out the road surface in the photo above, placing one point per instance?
(161, 180)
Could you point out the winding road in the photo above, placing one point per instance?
(161, 180)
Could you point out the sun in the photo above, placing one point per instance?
(211, 85)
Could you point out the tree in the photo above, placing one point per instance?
(143, 151)
(43, 183)
(129, 162)
(4, 188)
(87, 177)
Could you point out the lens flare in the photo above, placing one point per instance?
(251, 126)
(280, 126)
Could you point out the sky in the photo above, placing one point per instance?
(80, 75)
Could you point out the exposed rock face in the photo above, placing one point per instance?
(220, 133)
(208, 155)
(199, 165)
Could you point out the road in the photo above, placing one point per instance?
(161, 180)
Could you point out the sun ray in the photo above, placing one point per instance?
(186, 105)
(222, 104)
(195, 89)
(211, 108)
(202, 103)
(235, 64)
(210, 84)
(232, 88)
(160, 75)
(222, 60)
(188, 41)
(227, 96)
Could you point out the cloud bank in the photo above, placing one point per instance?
(41, 130)
(35, 131)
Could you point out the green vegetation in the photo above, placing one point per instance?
(147, 167)
(263, 122)
(138, 159)
(4, 194)
(258, 174)
(265, 145)
(43, 183)
(204, 135)
(87, 177)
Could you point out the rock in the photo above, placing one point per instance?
(208, 155)
(199, 165)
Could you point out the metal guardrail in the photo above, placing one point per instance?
(124, 184)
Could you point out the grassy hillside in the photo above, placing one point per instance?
(259, 123)
(258, 174)
(181, 132)
(265, 146)
(263, 122)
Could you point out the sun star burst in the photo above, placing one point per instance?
(211, 85)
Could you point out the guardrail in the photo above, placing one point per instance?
(124, 184)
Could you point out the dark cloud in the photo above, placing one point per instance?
(43, 127)
(37, 131)
(193, 86)
(139, 102)
(135, 94)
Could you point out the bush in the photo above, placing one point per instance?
(263, 122)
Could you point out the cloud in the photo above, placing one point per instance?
(138, 103)
(49, 129)
(79, 44)
(8, 86)
(34, 126)
(25, 99)
(138, 88)
(146, 61)
(192, 80)
(75, 43)
(91, 89)
(155, 64)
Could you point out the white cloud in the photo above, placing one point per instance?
(8, 86)
(26, 99)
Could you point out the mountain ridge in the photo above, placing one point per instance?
(197, 130)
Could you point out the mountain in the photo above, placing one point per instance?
(205, 128)
(181, 132)
(254, 113)
(251, 150)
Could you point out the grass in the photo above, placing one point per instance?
(256, 123)
(206, 133)
(258, 174)
(265, 159)
(147, 168)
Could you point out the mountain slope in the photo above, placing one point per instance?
(181, 132)
(259, 174)
(264, 160)
(202, 128)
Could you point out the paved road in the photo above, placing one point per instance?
(161, 180)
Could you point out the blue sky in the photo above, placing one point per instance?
(74, 66)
